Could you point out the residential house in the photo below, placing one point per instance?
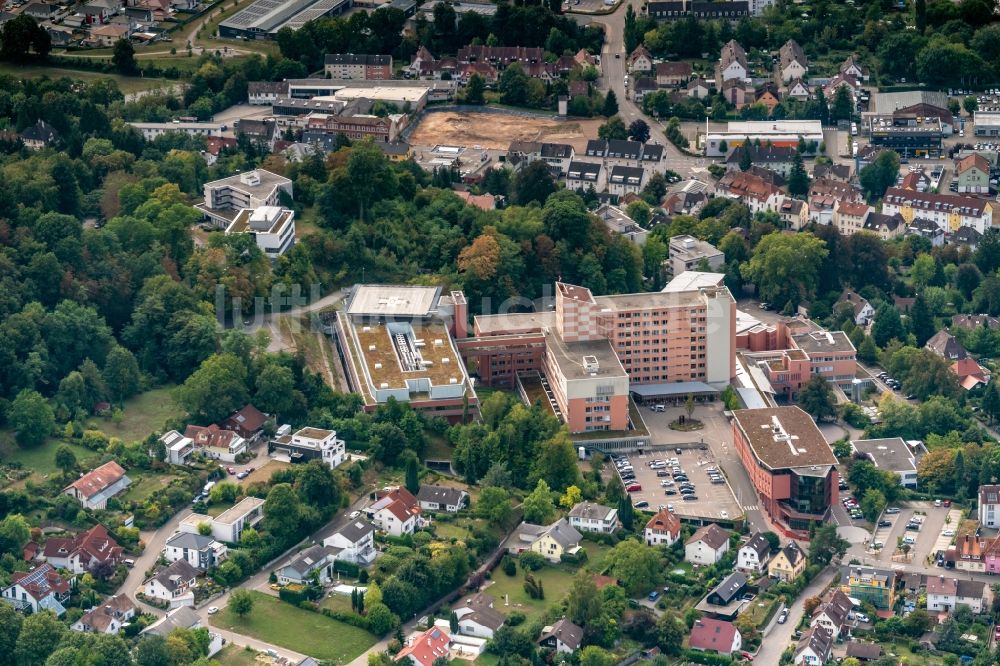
(966, 236)
(640, 60)
(754, 554)
(916, 180)
(85, 551)
(752, 190)
(662, 529)
(794, 213)
(769, 96)
(884, 226)
(834, 615)
(266, 93)
(874, 586)
(950, 211)
(260, 133)
(248, 423)
(972, 322)
(199, 550)
(707, 545)
(788, 563)
(357, 66)
(684, 203)
(687, 253)
(95, 488)
(178, 447)
(732, 64)
(563, 637)
(626, 180)
(814, 647)
(356, 541)
(442, 498)
(643, 86)
(395, 511)
(969, 553)
(832, 171)
(39, 135)
(228, 526)
(697, 88)
(481, 201)
(970, 374)
(315, 561)
(215, 442)
(822, 208)
(892, 455)
(792, 62)
(557, 155)
(989, 506)
(864, 652)
(947, 346)
(838, 189)
(308, 444)
(582, 176)
(779, 159)
(183, 617)
(590, 517)
(849, 217)
(42, 11)
(863, 310)
(477, 616)
(839, 81)
(946, 594)
(729, 590)
(108, 618)
(672, 74)
(973, 172)
(425, 648)
(737, 92)
(173, 585)
(711, 635)
(852, 67)
(797, 90)
(42, 588)
(928, 229)
(558, 539)
(108, 35)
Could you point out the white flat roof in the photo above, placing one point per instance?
(775, 127)
(398, 300)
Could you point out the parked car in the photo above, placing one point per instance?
(861, 617)
(783, 616)
(885, 523)
(690, 498)
(231, 470)
(633, 487)
(641, 505)
(242, 475)
(892, 509)
(653, 596)
(212, 610)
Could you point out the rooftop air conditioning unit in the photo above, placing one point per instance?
(378, 366)
(384, 385)
(452, 380)
(371, 347)
(366, 329)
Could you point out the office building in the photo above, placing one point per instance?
(226, 197)
(271, 227)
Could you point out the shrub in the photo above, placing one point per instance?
(293, 594)
(531, 561)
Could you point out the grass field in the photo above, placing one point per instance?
(234, 655)
(509, 595)
(144, 414)
(263, 474)
(42, 459)
(337, 602)
(309, 633)
(145, 485)
(128, 84)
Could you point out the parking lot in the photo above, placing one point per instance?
(927, 540)
(715, 501)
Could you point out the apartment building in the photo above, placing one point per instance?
(948, 211)
(686, 253)
(226, 197)
(790, 464)
(357, 66)
(989, 506)
(892, 455)
(271, 227)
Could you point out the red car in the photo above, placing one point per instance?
(746, 655)
(231, 470)
(946, 503)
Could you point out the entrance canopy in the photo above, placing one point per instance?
(673, 390)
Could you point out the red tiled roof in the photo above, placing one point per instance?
(426, 647)
(212, 436)
(94, 482)
(974, 160)
(41, 581)
(710, 634)
(664, 521)
(247, 420)
(95, 542)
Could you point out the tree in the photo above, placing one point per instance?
(610, 107)
(873, 502)
(826, 544)
(635, 565)
(843, 105)
(494, 505)
(798, 179)
(571, 497)
(121, 374)
(638, 130)
(317, 486)
(880, 174)
(614, 128)
(533, 183)
(14, 533)
(10, 628)
(282, 512)
(921, 321)
(991, 400)
(241, 602)
(746, 155)
(216, 389)
(970, 104)
(66, 460)
(584, 603)
(626, 512)
(123, 57)
(474, 91)
(785, 267)
(538, 506)
(32, 418)
(888, 326)
(412, 478)
(556, 462)
(21, 36)
(817, 398)
(593, 655)
(920, 15)
(275, 389)
(40, 635)
(670, 632)
(381, 620)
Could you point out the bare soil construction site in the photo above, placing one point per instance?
(495, 131)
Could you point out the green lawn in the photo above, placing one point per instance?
(144, 414)
(127, 84)
(144, 485)
(309, 633)
(451, 531)
(233, 655)
(509, 595)
(41, 459)
(337, 602)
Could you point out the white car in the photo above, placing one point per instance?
(948, 532)
(354, 514)
(212, 610)
(861, 617)
(723, 514)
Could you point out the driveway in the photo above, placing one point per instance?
(780, 635)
